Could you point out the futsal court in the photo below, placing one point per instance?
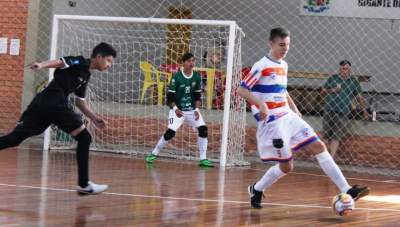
(342, 73)
(36, 190)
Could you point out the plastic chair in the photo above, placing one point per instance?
(210, 75)
(148, 70)
(210, 87)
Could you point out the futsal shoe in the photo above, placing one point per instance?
(358, 192)
(206, 163)
(92, 189)
(150, 158)
(255, 197)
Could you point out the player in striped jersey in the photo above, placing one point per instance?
(281, 129)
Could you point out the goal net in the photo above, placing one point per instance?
(131, 96)
(323, 32)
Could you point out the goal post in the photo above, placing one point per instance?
(134, 123)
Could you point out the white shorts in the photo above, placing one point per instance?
(175, 122)
(290, 129)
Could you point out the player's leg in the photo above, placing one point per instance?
(331, 169)
(174, 123)
(273, 145)
(202, 142)
(305, 139)
(15, 137)
(327, 129)
(327, 164)
(70, 122)
(339, 126)
(312, 144)
(332, 127)
(30, 124)
(273, 174)
(22, 131)
(202, 138)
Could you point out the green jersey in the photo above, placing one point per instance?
(341, 102)
(184, 88)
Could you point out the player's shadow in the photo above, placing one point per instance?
(87, 216)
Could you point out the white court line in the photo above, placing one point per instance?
(194, 199)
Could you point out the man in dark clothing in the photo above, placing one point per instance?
(51, 106)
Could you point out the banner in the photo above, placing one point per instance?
(381, 9)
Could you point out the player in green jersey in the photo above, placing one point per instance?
(184, 99)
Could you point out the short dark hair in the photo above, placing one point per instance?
(187, 56)
(345, 62)
(278, 32)
(103, 49)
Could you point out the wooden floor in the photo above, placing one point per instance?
(39, 191)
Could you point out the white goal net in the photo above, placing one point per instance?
(323, 32)
(131, 96)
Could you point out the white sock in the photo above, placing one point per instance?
(202, 142)
(270, 177)
(160, 145)
(330, 168)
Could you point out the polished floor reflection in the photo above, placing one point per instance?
(38, 190)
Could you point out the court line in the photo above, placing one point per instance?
(195, 199)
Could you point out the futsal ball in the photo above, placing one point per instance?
(343, 204)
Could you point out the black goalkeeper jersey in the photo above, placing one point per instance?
(73, 78)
